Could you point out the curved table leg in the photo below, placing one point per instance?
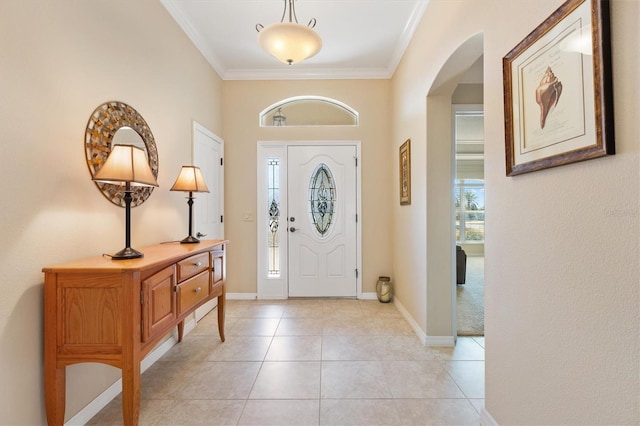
(222, 300)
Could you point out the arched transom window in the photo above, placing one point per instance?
(308, 111)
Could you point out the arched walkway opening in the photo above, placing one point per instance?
(441, 278)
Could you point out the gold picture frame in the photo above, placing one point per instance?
(558, 96)
(405, 173)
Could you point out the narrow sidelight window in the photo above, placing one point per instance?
(273, 190)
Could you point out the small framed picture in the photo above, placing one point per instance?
(405, 173)
(558, 90)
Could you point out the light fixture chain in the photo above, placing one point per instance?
(292, 11)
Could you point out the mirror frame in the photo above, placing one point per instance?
(103, 124)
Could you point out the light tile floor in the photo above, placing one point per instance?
(310, 362)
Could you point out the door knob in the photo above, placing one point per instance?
(200, 234)
(292, 229)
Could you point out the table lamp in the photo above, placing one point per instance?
(190, 180)
(126, 165)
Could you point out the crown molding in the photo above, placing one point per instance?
(307, 74)
(195, 37)
(407, 35)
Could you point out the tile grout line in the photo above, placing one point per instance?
(246, 401)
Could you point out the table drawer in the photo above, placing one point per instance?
(192, 266)
(193, 291)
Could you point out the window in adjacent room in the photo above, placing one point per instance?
(469, 183)
(469, 210)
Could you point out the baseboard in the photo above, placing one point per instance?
(486, 419)
(271, 298)
(426, 340)
(440, 341)
(241, 296)
(368, 296)
(414, 325)
(94, 407)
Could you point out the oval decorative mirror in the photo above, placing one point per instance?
(118, 123)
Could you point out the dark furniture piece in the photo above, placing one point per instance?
(461, 265)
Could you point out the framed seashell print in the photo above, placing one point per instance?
(558, 94)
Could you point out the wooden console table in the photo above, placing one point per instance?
(116, 311)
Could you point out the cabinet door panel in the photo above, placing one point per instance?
(159, 302)
(217, 269)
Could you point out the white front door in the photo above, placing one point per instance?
(321, 227)
(208, 206)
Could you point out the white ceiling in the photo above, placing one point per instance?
(361, 38)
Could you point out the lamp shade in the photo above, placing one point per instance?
(126, 163)
(290, 42)
(190, 180)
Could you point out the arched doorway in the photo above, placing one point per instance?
(440, 167)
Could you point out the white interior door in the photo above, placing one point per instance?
(208, 208)
(322, 231)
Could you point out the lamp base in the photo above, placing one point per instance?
(127, 253)
(190, 240)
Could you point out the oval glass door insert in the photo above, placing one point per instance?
(322, 198)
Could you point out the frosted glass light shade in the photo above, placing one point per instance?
(126, 163)
(290, 42)
(190, 180)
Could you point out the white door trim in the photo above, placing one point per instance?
(219, 185)
(455, 108)
(277, 288)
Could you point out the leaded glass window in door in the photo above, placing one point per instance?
(322, 198)
(273, 190)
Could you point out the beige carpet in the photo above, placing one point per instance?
(471, 299)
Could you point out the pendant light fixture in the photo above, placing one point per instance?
(279, 120)
(290, 42)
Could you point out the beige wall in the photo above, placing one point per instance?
(59, 61)
(562, 256)
(468, 93)
(243, 101)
